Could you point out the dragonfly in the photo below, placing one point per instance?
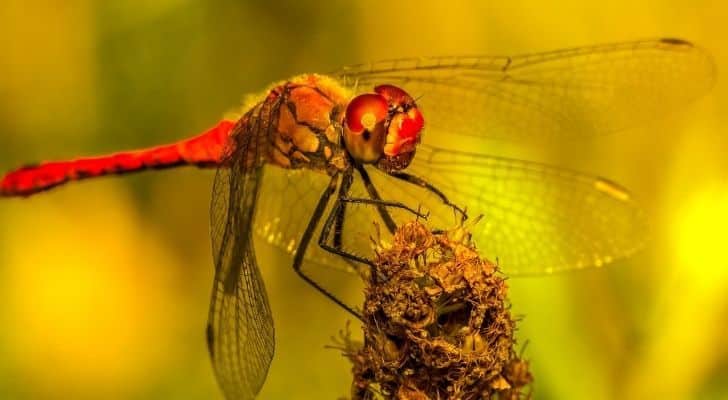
(317, 163)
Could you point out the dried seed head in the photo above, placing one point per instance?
(436, 323)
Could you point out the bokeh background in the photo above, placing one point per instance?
(104, 285)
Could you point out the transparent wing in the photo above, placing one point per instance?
(549, 96)
(287, 201)
(535, 218)
(240, 330)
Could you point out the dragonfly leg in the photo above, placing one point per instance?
(386, 217)
(337, 216)
(340, 212)
(337, 248)
(339, 228)
(333, 219)
(416, 180)
(306, 239)
(383, 203)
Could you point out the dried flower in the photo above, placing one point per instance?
(436, 323)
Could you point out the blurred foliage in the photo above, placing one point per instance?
(106, 283)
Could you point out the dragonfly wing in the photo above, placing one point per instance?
(550, 96)
(287, 201)
(536, 218)
(240, 330)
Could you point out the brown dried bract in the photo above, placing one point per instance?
(436, 324)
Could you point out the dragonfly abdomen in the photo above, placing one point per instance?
(204, 151)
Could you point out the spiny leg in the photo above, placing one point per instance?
(337, 215)
(346, 181)
(340, 211)
(306, 239)
(331, 219)
(416, 180)
(374, 194)
(382, 204)
(339, 228)
(326, 231)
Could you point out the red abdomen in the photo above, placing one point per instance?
(205, 150)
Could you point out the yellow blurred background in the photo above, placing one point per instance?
(105, 285)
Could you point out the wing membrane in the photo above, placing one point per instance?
(240, 328)
(536, 218)
(549, 96)
(287, 201)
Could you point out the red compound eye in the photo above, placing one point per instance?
(412, 124)
(394, 95)
(404, 132)
(365, 111)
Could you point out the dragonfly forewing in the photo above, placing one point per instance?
(551, 96)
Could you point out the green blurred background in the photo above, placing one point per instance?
(105, 284)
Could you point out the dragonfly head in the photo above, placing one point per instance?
(383, 127)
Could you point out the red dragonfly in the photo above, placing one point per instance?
(328, 155)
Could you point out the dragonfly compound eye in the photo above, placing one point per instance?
(403, 132)
(364, 127)
(394, 95)
(406, 121)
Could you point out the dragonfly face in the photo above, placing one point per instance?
(383, 128)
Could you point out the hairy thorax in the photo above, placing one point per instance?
(307, 115)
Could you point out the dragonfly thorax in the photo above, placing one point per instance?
(308, 116)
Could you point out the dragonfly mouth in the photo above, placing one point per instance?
(396, 162)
